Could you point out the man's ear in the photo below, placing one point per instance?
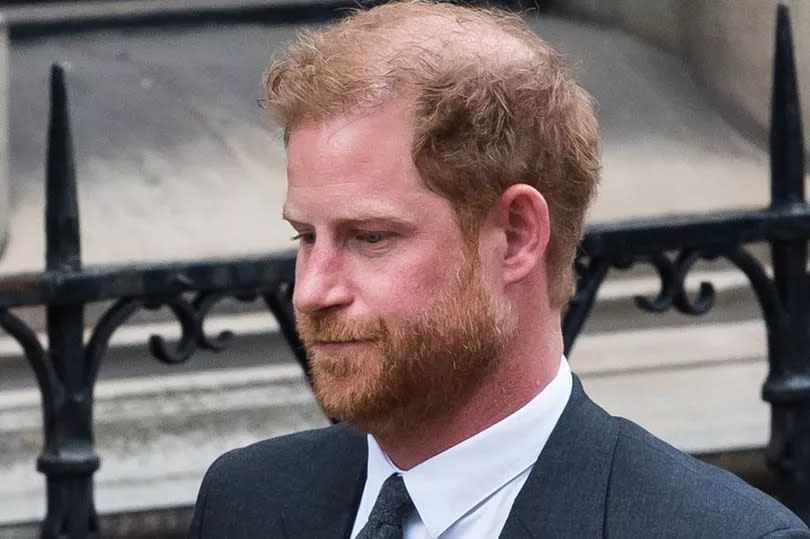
(522, 214)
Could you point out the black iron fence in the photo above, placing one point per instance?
(67, 367)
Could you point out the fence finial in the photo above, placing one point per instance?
(63, 249)
(787, 142)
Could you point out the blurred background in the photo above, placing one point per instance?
(176, 161)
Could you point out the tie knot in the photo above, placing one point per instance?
(393, 503)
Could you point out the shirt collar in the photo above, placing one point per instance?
(447, 486)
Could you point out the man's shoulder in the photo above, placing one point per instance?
(654, 487)
(285, 467)
(246, 491)
(293, 453)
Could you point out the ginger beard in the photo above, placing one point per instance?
(408, 371)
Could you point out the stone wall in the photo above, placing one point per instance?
(728, 45)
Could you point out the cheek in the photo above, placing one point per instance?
(405, 286)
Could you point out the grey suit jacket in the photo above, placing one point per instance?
(597, 476)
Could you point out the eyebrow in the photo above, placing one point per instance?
(361, 218)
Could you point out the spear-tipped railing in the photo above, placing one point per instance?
(66, 371)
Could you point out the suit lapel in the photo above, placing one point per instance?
(330, 493)
(565, 493)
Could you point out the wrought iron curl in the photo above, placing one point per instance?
(706, 296)
(765, 291)
(190, 315)
(672, 274)
(190, 332)
(673, 294)
(666, 273)
(203, 303)
(99, 341)
(590, 273)
(50, 387)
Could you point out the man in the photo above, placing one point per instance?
(440, 163)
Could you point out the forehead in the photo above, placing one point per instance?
(356, 163)
(358, 141)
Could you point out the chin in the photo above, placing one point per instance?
(350, 390)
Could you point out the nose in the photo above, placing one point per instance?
(320, 281)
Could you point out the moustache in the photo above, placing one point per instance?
(334, 328)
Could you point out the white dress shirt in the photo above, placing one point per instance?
(468, 490)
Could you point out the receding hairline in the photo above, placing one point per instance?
(448, 34)
(423, 32)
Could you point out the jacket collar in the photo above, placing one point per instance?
(331, 487)
(565, 493)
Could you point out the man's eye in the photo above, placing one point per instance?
(371, 237)
(304, 237)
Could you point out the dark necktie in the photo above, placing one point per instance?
(392, 506)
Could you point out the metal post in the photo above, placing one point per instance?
(788, 385)
(67, 460)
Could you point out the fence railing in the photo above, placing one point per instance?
(67, 367)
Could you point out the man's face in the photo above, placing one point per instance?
(399, 318)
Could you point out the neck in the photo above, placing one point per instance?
(527, 366)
